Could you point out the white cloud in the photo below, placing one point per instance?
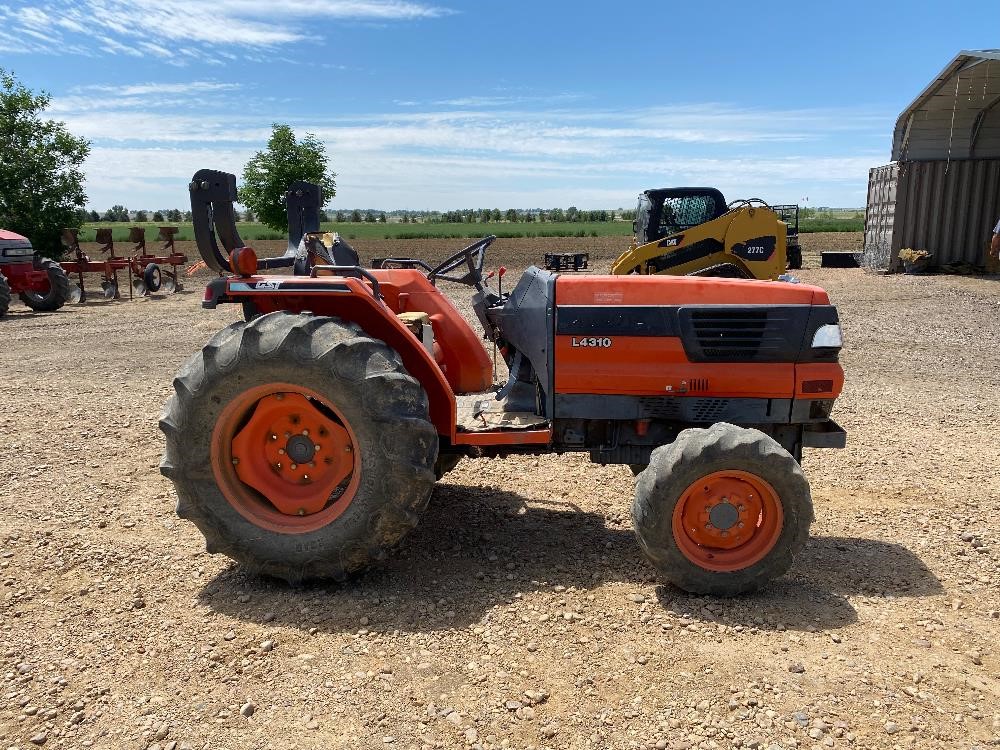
(185, 27)
(149, 138)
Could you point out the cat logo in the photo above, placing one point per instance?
(672, 241)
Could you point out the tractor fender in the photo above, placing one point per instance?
(351, 300)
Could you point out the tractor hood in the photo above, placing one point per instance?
(14, 247)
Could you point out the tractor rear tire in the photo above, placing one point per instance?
(4, 295)
(794, 258)
(362, 383)
(706, 490)
(58, 291)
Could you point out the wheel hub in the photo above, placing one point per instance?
(728, 520)
(724, 516)
(275, 453)
(300, 449)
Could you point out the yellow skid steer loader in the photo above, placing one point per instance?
(692, 231)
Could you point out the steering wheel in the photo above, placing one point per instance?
(473, 256)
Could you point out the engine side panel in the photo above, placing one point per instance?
(691, 338)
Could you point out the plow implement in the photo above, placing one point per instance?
(144, 272)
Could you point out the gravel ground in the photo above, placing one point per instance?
(520, 613)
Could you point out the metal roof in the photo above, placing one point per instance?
(957, 116)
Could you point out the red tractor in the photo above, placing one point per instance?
(40, 282)
(305, 441)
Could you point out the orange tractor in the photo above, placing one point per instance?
(305, 441)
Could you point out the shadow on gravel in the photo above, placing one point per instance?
(479, 548)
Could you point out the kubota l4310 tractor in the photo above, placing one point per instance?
(305, 441)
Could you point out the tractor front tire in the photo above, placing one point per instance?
(354, 385)
(722, 511)
(4, 295)
(58, 291)
(794, 258)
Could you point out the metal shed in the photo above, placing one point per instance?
(941, 192)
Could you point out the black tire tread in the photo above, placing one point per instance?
(4, 295)
(352, 363)
(58, 289)
(671, 470)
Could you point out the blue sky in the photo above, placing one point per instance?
(447, 104)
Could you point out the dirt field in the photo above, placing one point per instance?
(520, 612)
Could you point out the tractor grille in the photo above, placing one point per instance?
(730, 335)
(684, 409)
(762, 333)
(709, 409)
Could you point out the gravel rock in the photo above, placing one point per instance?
(523, 576)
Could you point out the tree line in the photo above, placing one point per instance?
(119, 213)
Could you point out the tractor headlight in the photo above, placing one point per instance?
(828, 336)
(18, 252)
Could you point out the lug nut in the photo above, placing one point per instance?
(316, 447)
(305, 432)
(347, 449)
(274, 437)
(281, 451)
(293, 467)
(235, 461)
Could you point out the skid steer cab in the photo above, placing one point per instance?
(305, 441)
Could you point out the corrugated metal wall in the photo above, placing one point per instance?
(947, 208)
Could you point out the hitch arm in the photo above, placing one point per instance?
(212, 196)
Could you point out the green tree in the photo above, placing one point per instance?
(157, 217)
(340, 217)
(248, 217)
(369, 218)
(355, 216)
(572, 214)
(41, 180)
(381, 218)
(93, 216)
(141, 216)
(323, 216)
(116, 213)
(510, 215)
(268, 174)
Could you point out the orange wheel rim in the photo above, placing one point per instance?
(284, 458)
(727, 521)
